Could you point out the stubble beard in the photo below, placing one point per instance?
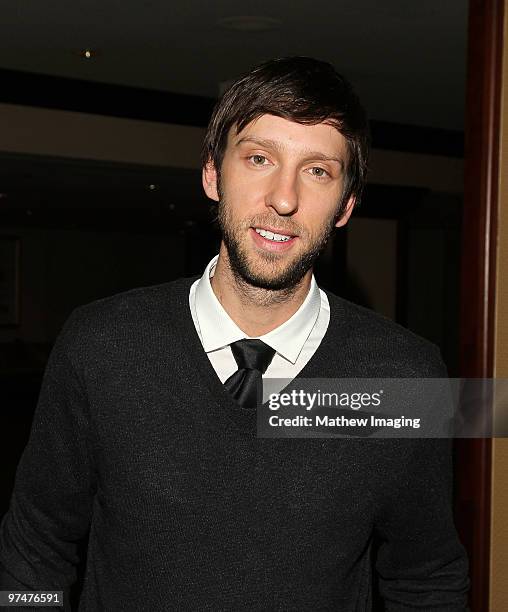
(267, 273)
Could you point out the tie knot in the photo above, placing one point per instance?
(252, 354)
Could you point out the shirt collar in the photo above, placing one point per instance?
(219, 330)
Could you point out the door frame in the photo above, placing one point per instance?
(478, 277)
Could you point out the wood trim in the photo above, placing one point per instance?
(95, 98)
(478, 280)
(108, 99)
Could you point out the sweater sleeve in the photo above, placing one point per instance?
(51, 505)
(421, 563)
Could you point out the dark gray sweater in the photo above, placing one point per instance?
(136, 441)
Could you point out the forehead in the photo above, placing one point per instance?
(289, 136)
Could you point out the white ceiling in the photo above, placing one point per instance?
(406, 58)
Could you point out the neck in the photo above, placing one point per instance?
(256, 311)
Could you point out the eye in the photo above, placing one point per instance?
(319, 172)
(258, 160)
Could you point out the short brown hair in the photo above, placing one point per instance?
(300, 89)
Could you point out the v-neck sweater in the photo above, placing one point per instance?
(136, 444)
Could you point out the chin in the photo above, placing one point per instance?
(272, 275)
(274, 283)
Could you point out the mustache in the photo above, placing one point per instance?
(280, 223)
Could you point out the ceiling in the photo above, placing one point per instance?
(406, 59)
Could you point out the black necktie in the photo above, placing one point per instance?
(252, 358)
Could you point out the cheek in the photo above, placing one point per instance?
(244, 195)
(319, 205)
(241, 183)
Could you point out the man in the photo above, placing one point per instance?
(145, 432)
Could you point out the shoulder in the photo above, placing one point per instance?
(378, 340)
(139, 301)
(133, 315)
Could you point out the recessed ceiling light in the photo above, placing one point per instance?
(249, 23)
(152, 187)
(88, 53)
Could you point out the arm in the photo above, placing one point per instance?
(51, 505)
(421, 563)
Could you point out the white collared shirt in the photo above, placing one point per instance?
(294, 342)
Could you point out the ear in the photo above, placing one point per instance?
(347, 213)
(209, 177)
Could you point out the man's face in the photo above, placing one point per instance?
(280, 187)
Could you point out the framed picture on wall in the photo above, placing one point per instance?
(9, 281)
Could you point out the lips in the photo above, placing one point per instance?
(274, 236)
(273, 239)
(274, 230)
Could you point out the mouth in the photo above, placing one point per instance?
(273, 239)
(273, 234)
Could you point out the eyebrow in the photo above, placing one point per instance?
(273, 144)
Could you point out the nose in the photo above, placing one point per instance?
(282, 195)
